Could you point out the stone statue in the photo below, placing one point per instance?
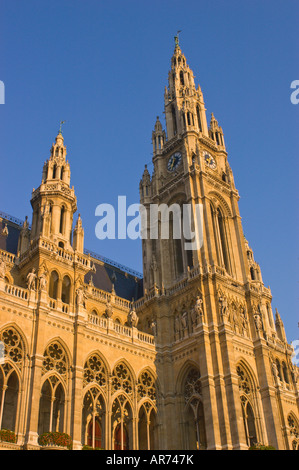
(197, 310)
(133, 318)
(2, 268)
(108, 310)
(184, 320)
(31, 280)
(154, 327)
(258, 321)
(223, 306)
(243, 321)
(43, 281)
(81, 296)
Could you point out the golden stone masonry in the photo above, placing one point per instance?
(187, 356)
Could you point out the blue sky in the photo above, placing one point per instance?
(102, 66)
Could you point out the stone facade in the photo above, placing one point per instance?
(197, 361)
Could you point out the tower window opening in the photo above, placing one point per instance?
(62, 173)
(54, 171)
(65, 291)
(174, 120)
(62, 220)
(253, 274)
(223, 240)
(53, 285)
(182, 78)
(198, 118)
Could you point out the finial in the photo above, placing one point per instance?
(60, 128)
(176, 38)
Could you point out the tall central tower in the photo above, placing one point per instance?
(218, 346)
(191, 168)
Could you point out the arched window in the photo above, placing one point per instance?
(94, 418)
(147, 424)
(94, 434)
(53, 285)
(62, 220)
(9, 390)
(182, 78)
(246, 395)
(285, 373)
(252, 273)
(54, 171)
(51, 406)
(293, 431)
(14, 353)
(62, 173)
(175, 130)
(194, 412)
(222, 241)
(122, 423)
(66, 289)
(52, 399)
(176, 244)
(198, 118)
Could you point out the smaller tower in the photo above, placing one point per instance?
(216, 133)
(158, 138)
(54, 202)
(78, 236)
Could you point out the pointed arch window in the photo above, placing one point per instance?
(51, 406)
(54, 172)
(94, 418)
(53, 285)
(9, 378)
(246, 390)
(182, 78)
(174, 123)
(62, 220)
(223, 240)
(194, 412)
(198, 118)
(94, 434)
(66, 290)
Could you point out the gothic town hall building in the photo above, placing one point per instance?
(189, 356)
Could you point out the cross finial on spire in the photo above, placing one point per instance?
(176, 38)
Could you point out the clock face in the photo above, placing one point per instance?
(210, 161)
(174, 161)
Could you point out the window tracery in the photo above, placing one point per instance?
(192, 387)
(146, 386)
(95, 371)
(244, 382)
(55, 359)
(14, 348)
(122, 379)
(293, 426)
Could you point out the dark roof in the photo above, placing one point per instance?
(9, 242)
(128, 283)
